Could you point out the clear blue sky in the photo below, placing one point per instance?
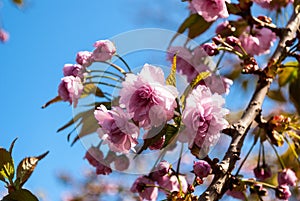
(43, 37)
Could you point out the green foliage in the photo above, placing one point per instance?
(20, 195)
(24, 170)
(195, 24)
(6, 165)
(294, 89)
(288, 74)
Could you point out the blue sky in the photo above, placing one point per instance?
(43, 37)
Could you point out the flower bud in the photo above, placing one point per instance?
(262, 172)
(287, 177)
(201, 168)
(210, 48)
(232, 40)
(104, 51)
(283, 192)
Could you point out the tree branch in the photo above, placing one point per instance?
(221, 181)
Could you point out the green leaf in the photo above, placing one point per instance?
(20, 195)
(287, 74)
(233, 8)
(171, 79)
(294, 89)
(12, 146)
(7, 169)
(26, 168)
(171, 133)
(276, 95)
(91, 88)
(195, 24)
(54, 100)
(89, 125)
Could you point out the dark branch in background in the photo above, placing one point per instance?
(238, 130)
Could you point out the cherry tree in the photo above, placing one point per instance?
(135, 120)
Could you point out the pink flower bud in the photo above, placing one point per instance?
(210, 48)
(84, 58)
(103, 168)
(73, 70)
(283, 192)
(4, 36)
(232, 40)
(162, 169)
(287, 177)
(94, 156)
(262, 172)
(201, 168)
(104, 51)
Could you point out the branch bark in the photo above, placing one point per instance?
(239, 130)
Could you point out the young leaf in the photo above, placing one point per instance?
(195, 24)
(171, 79)
(7, 169)
(294, 89)
(54, 100)
(12, 146)
(20, 195)
(192, 85)
(276, 95)
(26, 168)
(171, 133)
(287, 74)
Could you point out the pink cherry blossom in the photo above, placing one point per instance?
(121, 163)
(70, 89)
(73, 70)
(4, 36)
(201, 168)
(116, 129)
(147, 98)
(259, 42)
(203, 118)
(145, 192)
(104, 51)
(283, 192)
(161, 170)
(84, 58)
(287, 177)
(190, 63)
(172, 184)
(210, 10)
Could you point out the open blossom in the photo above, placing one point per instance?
(104, 50)
(147, 98)
(287, 177)
(210, 10)
(140, 187)
(191, 63)
(258, 43)
(4, 36)
(73, 70)
(172, 184)
(116, 129)
(203, 118)
(84, 58)
(70, 89)
(162, 169)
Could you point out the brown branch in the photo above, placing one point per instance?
(222, 178)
